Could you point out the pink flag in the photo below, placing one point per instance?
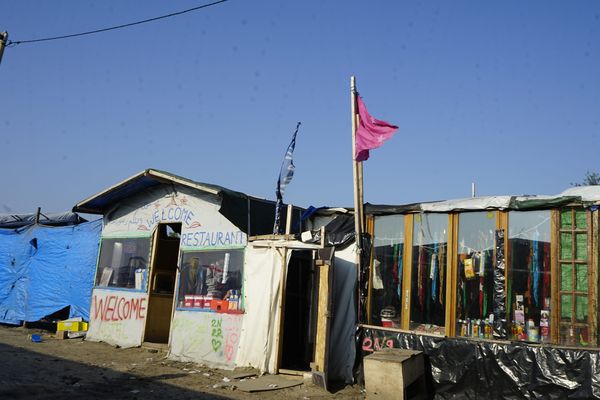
(371, 132)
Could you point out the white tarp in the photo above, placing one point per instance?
(473, 203)
(262, 273)
(587, 193)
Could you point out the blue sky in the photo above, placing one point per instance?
(505, 94)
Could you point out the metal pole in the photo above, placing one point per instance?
(3, 40)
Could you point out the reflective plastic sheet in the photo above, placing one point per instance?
(471, 369)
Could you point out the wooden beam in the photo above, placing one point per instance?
(370, 229)
(592, 277)
(451, 275)
(323, 316)
(554, 273)
(407, 270)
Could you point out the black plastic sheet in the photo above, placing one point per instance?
(499, 298)
(472, 369)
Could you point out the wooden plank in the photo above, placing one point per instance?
(554, 274)
(592, 277)
(370, 229)
(323, 315)
(272, 237)
(451, 275)
(407, 270)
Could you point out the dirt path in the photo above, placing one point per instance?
(63, 369)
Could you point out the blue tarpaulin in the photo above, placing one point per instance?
(44, 269)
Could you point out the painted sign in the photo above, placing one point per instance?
(205, 337)
(117, 317)
(202, 224)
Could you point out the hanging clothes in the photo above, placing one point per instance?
(546, 279)
(400, 271)
(481, 260)
(535, 267)
(442, 269)
(421, 273)
(434, 273)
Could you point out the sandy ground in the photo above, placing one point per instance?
(74, 368)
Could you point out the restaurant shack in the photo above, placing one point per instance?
(171, 268)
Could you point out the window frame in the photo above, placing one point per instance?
(149, 261)
(182, 252)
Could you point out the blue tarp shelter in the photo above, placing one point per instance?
(44, 269)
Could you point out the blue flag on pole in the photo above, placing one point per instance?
(285, 177)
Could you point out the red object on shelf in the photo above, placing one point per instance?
(219, 306)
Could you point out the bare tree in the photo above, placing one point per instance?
(591, 178)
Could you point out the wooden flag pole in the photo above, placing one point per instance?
(356, 169)
(358, 207)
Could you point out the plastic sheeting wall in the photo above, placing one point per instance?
(45, 269)
(262, 273)
(465, 369)
(343, 324)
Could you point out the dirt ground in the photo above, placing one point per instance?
(73, 368)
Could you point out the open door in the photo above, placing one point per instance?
(307, 314)
(162, 283)
(324, 287)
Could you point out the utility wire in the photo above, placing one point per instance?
(11, 43)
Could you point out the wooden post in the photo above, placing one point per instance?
(357, 175)
(356, 169)
(288, 220)
(3, 40)
(407, 271)
(554, 276)
(37, 215)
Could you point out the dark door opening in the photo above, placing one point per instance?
(299, 317)
(162, 283)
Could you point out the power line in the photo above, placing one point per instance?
(11, 43)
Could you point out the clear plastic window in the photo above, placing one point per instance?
(123, 263)
(386, 279)
(212, 280)
(475, 283)
(428, 284)
(529, 283)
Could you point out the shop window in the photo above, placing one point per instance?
(529, 285)
(211, 280)
(475, 281)
(386, 279)
(573, 278)
(123, 263)
(428, 281)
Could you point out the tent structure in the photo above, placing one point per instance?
(47, 266)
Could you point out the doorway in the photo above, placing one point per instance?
(299, 319)
(162, 283)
